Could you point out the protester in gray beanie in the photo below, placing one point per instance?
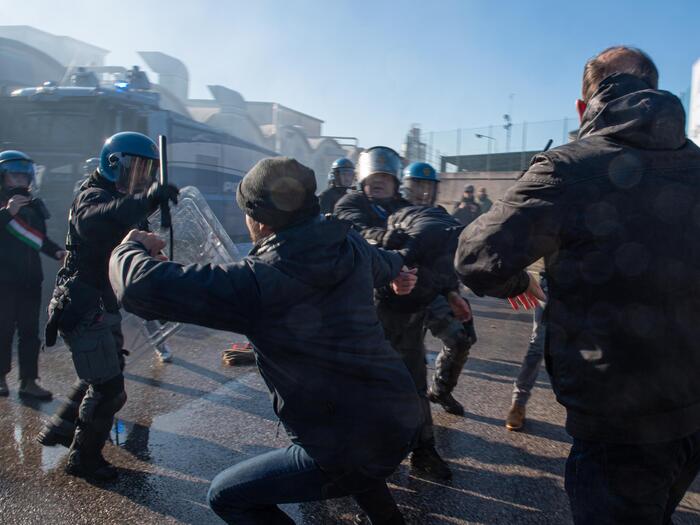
(278, 192)
(303, 297)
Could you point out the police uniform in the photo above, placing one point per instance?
(403, 319)
(22, 238)
(84, 309)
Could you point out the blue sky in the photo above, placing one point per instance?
(371, 68)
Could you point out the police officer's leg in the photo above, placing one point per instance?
(60, 429)
(29, 305)
(457, 339)
(8, 321)
(95, 355)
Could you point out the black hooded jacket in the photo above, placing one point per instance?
(616, 214)
(304, 299)
(20, 264)
(99, 219)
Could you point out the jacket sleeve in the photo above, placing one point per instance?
(524, 226)
(220, 297)
(348, 209)
(99, 211)
(50, 248)
(386, 266)
(5, 217)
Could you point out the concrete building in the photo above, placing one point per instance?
(694, 110)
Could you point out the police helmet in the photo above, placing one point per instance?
(420, 184)
(340, 167)
(420, 171)
(378, 159)
(130, 160)
(13, 161)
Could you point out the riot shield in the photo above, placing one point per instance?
(199, 239)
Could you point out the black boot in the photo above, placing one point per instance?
(446, 401)
(60, 429)
(85, 459)
(427, 460)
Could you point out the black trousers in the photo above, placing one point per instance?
(618, 484)
(19, 312)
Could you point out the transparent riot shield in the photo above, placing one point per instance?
(199, 239)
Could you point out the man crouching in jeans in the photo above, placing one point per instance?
(304, 298)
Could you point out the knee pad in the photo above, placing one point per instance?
(113, 397)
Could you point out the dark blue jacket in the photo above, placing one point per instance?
(20, 265)
(304, 299)
(616, 214)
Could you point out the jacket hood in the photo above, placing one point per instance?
(316, 252)
(626, 109)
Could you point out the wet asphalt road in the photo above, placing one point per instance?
(186, 421)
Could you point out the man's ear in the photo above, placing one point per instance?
(580, 108)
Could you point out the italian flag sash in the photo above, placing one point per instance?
(25, 233)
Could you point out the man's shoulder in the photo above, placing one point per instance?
(93, 195)
(353, 197)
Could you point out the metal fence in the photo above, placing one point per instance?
(525, 136)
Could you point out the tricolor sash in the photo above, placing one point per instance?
(25, 233)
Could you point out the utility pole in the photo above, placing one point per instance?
(508, 118)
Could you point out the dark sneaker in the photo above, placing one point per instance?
(428, 461)
(516, 417)
(50, 438)
(98, 470)
(30, 388)
(447, 402)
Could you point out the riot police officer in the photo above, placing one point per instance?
(403, 321)
(419, 186)
(340, 180)
(22, 238)
(84, 310)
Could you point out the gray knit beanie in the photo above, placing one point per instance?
(278, 192)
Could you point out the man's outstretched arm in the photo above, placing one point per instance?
(495, 250)
(220, 297)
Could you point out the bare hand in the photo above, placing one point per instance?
(16, 203)
(60, 255)
(528, 299)
(153, 244)
(404, 283)
(460, 307)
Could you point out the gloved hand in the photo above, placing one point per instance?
(158, 194)
(395, 239)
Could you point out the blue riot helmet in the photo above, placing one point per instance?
(342, 173)
(130, 160)
(378, 160)
(19, 166)
(420, 184)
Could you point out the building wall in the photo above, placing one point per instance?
(694, 113)
(452, 185)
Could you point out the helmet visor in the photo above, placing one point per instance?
(421, 192)
(344, 177)
(136, 173)
(21, 171)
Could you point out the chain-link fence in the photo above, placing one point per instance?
(489, 140)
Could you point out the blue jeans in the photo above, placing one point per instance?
(535, 353)
(616, 484)
(249, 492)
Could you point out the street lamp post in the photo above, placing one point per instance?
(488, 155)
